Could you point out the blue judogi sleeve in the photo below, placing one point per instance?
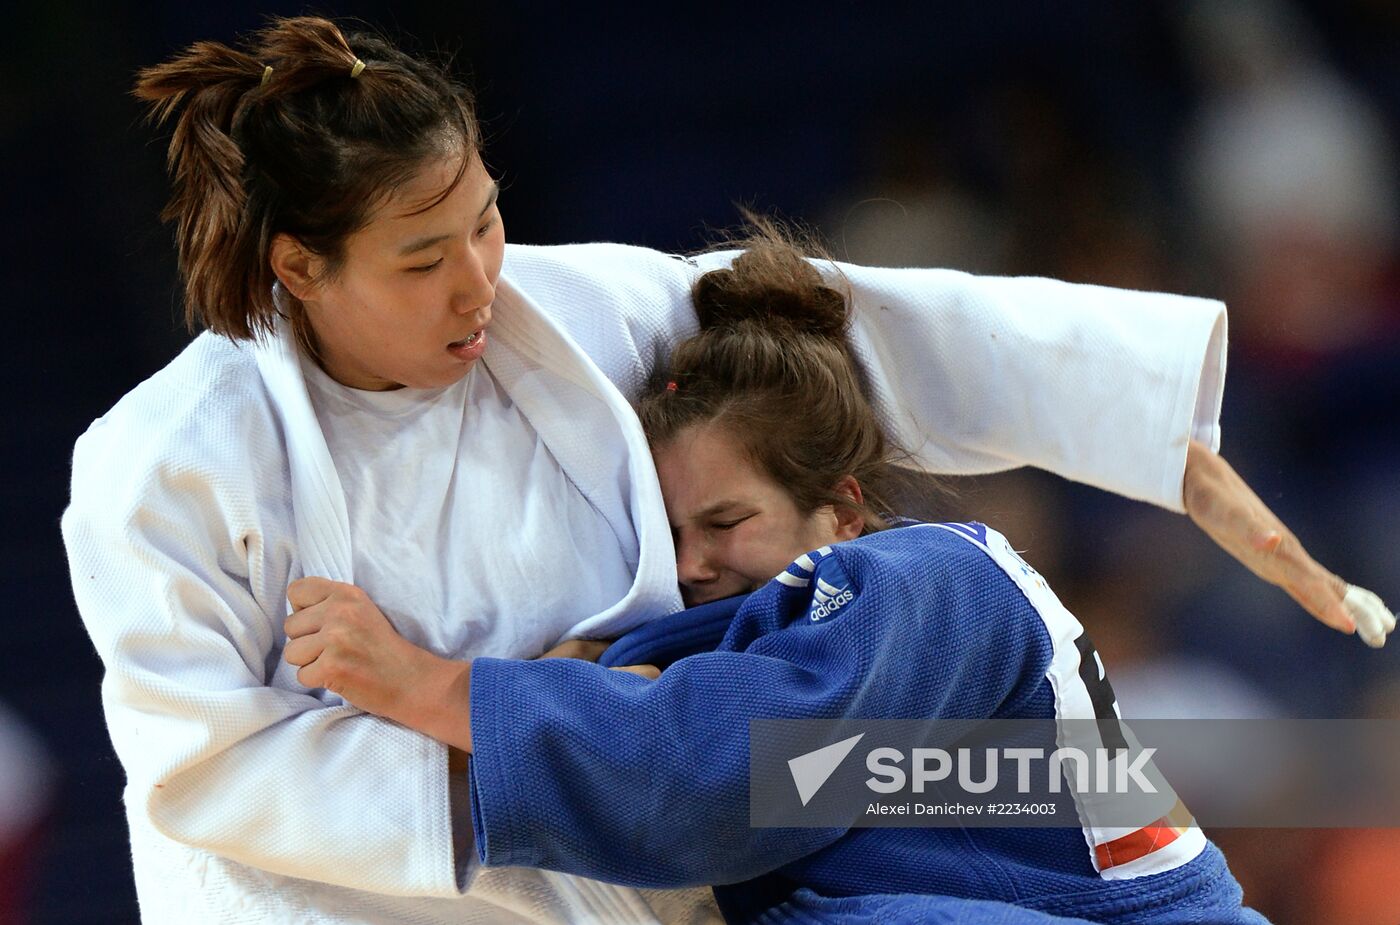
(605, 774)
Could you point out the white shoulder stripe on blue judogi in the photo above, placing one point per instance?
(798, 575)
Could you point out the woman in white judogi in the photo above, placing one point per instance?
(443, 420)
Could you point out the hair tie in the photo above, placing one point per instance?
(267, 75)
(359, 66)
(671, 386)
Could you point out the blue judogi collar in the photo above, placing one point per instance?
(672, 638)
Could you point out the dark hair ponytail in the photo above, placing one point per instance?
(288, 133)
(772, 365)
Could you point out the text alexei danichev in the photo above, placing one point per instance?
(960, 809)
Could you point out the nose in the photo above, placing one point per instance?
(693, 566)
(476, 287)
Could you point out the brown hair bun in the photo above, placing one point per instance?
(772, 283)
(768, 284)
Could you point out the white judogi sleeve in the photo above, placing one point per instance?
(971, 374)
(1101, 386)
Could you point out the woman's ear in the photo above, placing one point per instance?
(850, 522)
(296, 267)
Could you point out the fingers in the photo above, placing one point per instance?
(306, 595)
(590, 650)
(1345, 608)
(313, 676)
(306, 592)
(1338, 616)
(1374, 621)
(303, 651)
(304, 622)
(650, 672)
(322, 663)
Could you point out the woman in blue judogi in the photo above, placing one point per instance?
(768, 453)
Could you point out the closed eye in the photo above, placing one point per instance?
(729, 524)
(426, 268)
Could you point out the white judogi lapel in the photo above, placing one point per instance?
(568, 401)
(556, 384)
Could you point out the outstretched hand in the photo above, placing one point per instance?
(1223, 506)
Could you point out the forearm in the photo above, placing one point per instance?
(437, 701)
(1232, 515)
(439, 704)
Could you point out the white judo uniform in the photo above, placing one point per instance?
(235, 470)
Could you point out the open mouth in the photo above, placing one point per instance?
(470, 347)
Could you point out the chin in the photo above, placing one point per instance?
(448, 377)
(454, 377)
(696, 599)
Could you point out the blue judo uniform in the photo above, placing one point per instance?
(645, 783)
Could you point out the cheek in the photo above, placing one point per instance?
(819, 530)
(498, 243)
(338, 318)
(360, 304)
(733, 552)
(495, 259)
(763, 553)
(489, 253)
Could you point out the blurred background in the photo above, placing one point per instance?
(1241, 149)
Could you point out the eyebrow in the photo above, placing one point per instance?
(717, 508)
(422, 244)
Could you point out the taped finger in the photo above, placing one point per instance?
(1374, 621)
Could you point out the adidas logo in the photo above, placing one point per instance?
(828, 599)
